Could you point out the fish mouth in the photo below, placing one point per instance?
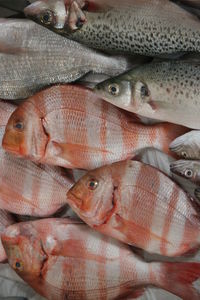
(44, 261)
(12, 149)
(74, 201)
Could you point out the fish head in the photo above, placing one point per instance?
(24, 134)
(115, 91)
(186, 168)
(132, 95)
(187, 146)
(24, 250)
(49, 13)
(92, 196)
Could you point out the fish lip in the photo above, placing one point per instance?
(77, 208)
(73, 201)
(10, 149)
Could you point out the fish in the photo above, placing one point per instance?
(187, 145)
(27, 188)
(68, 126)
(164, 163)
(189, 169)
(162, 90)
(39, 64)
(167, 28)
(138, 205)
(6, 219)
(90, 265)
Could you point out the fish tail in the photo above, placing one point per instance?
(177, 278)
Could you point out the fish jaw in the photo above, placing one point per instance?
(13, 144)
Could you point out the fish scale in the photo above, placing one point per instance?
(65, 259)
(171, 91)
(143, 27)
(33, 58)
(56, 123)
(27, 188)
(138, 205)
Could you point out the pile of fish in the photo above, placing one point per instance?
(100, 147)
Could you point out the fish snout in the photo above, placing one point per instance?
(74, 196)
(182, 168)
(11, 142)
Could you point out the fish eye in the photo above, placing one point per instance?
(93, 184)
(113, 89)
(144, 91)
(18, 266)
(184, 154)
(47, 17)
(19, 125)
(188, 173)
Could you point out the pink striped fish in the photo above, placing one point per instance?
(25, 187)
(6, 219)
(139, 205)
(69, 126)
(65, 260)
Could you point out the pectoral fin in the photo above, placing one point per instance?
(73, 155)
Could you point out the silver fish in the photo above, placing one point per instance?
(32, 57)
(153, 27)
(162, 90)
(189, 169)
(162, 161)
(188, 145)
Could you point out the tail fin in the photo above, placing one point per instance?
(178, 279)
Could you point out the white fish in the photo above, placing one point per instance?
(32, 57)
(188, 145)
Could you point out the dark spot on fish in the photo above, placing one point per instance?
(168, 90)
